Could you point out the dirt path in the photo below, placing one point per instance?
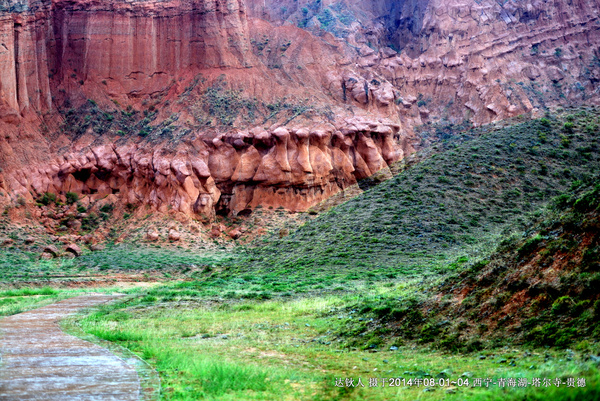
(40, 362)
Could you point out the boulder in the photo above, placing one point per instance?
(152, 235)
(235, 233)
(73, 249)
(52, 250)
(215, 231)
(174, 235)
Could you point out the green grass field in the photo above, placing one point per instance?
(289, 318)
(278, 350)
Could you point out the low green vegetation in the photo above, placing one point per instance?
(447, 272)
(124, 258)
(127, 257)
(451, 208)
(219, 105)
(91, 118)
(290, 349)
(335, 18)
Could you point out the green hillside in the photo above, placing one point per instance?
(446, 256)
(449, 208)
(539, 289)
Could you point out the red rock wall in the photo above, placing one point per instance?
(475, 60)
(481, 61)
(228, 173)
(129, 52)
(138, 48)
(486, 62)
(24, 58)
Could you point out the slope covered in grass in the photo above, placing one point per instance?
(542, 288)
(539, 288)
(447, 209)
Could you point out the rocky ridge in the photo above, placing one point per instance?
(452, 60)
(58, 56)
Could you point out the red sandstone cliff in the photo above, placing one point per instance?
(462, 59)
(222, 105)
(193, 68)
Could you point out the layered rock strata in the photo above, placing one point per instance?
(406, 63)
(458, 60)
(228, 174)
(161, 56)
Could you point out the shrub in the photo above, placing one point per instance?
(72, 197)
(90, 222)
(568, 127)
(530, 245)
(48, 198)
(108, 208)
(562, 305)
(429, 332)
(591, 128)
(597, 310)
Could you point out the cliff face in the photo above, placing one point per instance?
(227, 174)
(238, 86)
(486, 61)
(452, 60)
(232, 119)
(134, 48)
(139, 47)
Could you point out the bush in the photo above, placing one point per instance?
(568, 127)
(562, 305)
(90, 222)
(108, 208)
(530, 245)
(72, 197)
(542, 136)
(48, 198)
(430, 332)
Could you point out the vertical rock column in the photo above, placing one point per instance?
(8, 73)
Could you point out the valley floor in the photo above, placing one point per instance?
(291, 349)
(472, 275)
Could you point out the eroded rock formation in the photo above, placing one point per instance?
(229, 173)
(477, 60)
(211, 78)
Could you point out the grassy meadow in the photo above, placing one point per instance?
(291, 349)
(348, 294)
